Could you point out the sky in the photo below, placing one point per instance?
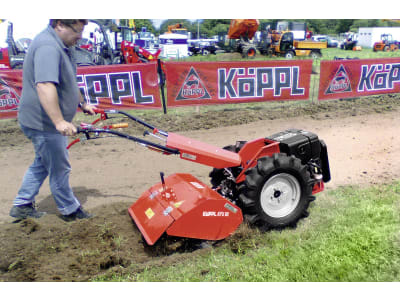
(28, 24)
(24, 28)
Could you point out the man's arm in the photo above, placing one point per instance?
(48, 97)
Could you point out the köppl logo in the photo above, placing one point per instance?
(9, 99)
(193, 88)
(254, 82)
(340, 82)
(379, 77)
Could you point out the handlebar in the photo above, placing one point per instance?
(92, 132)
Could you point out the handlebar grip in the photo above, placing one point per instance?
(119, 125)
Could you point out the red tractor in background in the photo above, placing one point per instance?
(12, 56)
(100, 49)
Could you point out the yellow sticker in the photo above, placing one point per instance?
(177, 204)
(149, 213)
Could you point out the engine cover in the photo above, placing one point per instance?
(303, 144)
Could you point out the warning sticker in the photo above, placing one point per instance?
(149, 213)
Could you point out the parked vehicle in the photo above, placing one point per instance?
(386, 43)
(174, 45)
(331, 43)
(146, 40)
(12, 56)
(203, 46)
(239, 37)
(350, 41)
(284, 44)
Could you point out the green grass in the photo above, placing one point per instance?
(351, 235)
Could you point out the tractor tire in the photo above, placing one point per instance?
(249, 52)
(290, 54)
(276, 192)
(205, 52)
(315, 54)
(386, 49)
(217, 175)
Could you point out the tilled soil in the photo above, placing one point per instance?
(110, 174)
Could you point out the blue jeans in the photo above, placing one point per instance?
(51, 159)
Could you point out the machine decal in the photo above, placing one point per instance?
(189, 156)
(215, 214)
(230, 207)
(167, 211)
(178, 204)
(149, 213)
(197, 185)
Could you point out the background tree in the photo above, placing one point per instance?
(140, 23)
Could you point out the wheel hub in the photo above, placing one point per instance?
(280, 195)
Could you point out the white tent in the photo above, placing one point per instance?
(367, 36)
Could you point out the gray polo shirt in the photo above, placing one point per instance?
(48, 60)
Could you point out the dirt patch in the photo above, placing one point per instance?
(49, 249)
(110, 174)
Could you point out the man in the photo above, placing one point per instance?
(49, 101)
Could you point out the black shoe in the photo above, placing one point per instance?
(78, 214)
(25, 211)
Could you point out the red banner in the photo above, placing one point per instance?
(358, 77)
(125, 86)
(113, 86)
(196, 83)
(10, 92)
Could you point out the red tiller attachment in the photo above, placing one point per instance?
(183, 206)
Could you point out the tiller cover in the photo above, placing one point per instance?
(183, 206)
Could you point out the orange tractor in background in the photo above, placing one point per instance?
(386, 44)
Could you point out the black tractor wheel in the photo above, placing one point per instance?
(249, 52)
(276, 192)
(315, 54)
(218, 175)
(290, 54)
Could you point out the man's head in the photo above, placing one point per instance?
(69, 30)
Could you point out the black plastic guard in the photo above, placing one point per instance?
(326, 172)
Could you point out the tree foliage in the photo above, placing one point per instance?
(211, 27)
(140, 23)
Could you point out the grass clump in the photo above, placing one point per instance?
(351, 235)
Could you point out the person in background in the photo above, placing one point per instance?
(49, 101)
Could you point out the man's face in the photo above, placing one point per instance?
(70, 34)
